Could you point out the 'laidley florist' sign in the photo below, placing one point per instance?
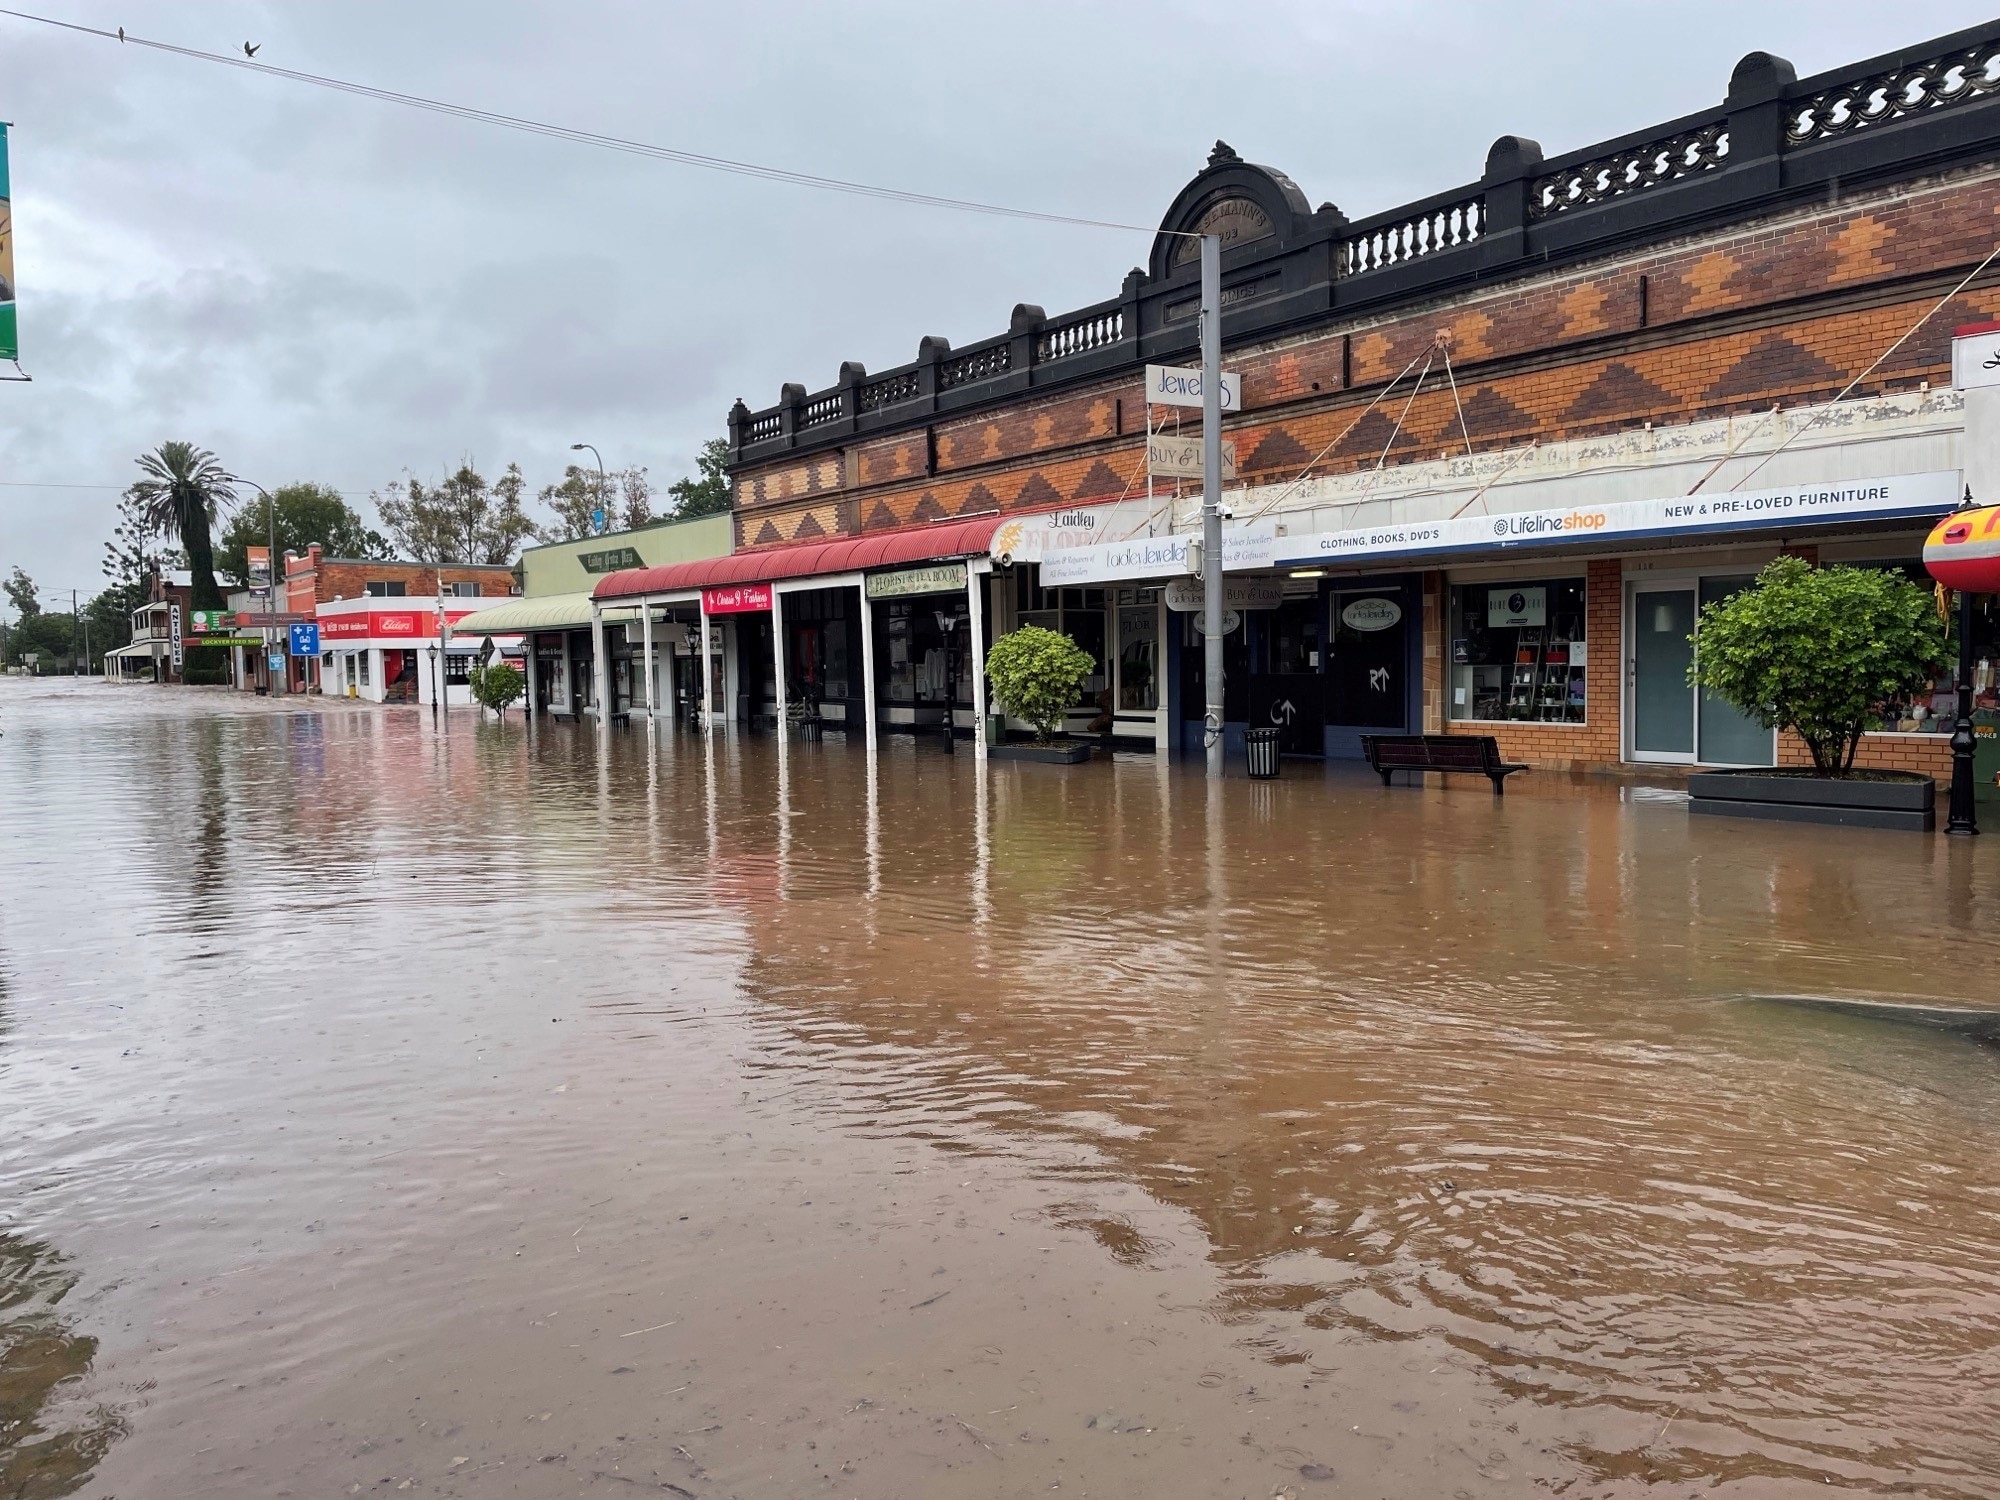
(1913, 495)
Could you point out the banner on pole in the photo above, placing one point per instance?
(10, 342)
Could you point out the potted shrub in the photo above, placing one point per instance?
(496, 686)
(1036, 675)
(1819, 652)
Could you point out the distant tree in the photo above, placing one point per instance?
(132, 558)
(108, 618)
(51, 638)
(20, 589)
(460, 519)
(181, 494)
(709, 494)
(627, 501)
(303, 514)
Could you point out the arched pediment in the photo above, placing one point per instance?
(1234, 198)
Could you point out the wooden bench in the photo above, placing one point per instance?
(1390, 753)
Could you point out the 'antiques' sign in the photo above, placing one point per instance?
(739, 599)
(938, 578)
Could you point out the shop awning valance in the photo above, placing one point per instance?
(540, 612)
(806, 560)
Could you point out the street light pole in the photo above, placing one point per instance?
(603, 485)
(270, 584)
(1211, 497)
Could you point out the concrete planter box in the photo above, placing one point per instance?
(1885, 800)
(1064, 753)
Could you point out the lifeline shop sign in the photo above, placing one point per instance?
(1243, 548)
(742, 599)
(1900, 495)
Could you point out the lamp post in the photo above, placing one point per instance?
(947, 623)
(603, 508)
(270, 582)
(436, 685)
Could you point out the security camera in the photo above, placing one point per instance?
(1227, 512)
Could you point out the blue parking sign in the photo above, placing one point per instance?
(305, 640)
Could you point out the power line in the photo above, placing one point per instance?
(590, 138)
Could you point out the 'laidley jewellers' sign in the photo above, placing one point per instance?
(1900, 495)
(1243, 548)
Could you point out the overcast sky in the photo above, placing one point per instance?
(324, 287)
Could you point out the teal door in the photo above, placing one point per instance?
(1662, 651)
(1728, 737)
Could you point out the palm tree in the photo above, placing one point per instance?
(183, 493)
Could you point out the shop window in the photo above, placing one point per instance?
(921, 659)
(1518, 651)
(361, 658)
(1138, 658)
(458, 668)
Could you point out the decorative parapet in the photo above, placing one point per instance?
(1775, 141)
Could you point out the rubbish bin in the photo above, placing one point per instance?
(1260, 748)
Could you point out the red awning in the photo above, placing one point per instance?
(844, 555)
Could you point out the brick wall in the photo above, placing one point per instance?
(1786, 311)
(1598, 739)
(1927, 754)
(340, 578)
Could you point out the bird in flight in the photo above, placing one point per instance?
(250, 51)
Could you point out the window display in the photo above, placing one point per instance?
(1518, 651)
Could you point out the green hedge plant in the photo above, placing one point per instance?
(1819, 651)
(496, 686)
(1036, 675)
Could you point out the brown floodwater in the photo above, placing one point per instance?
(486, 1115)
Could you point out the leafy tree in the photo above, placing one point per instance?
(496, 686)
(627, 501)
(52, 637)
(109, 620)
(1036, 675)
(20, 588)
(460, 519)
(301, 514)
(132, 558)
(182, 492)
(1818, 651)
(709, 494)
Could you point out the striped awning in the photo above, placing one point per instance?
(810, 559)
(517, 616)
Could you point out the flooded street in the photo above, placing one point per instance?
(383, 1112)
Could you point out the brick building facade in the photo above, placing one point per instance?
(1671, 314)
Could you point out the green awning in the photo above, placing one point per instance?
(539, 612)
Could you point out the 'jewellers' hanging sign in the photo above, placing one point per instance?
(1898, 496)
(938, 578)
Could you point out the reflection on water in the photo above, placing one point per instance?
(520, 1105)
(50, 1441)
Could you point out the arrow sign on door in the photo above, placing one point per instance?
(1283, 711)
